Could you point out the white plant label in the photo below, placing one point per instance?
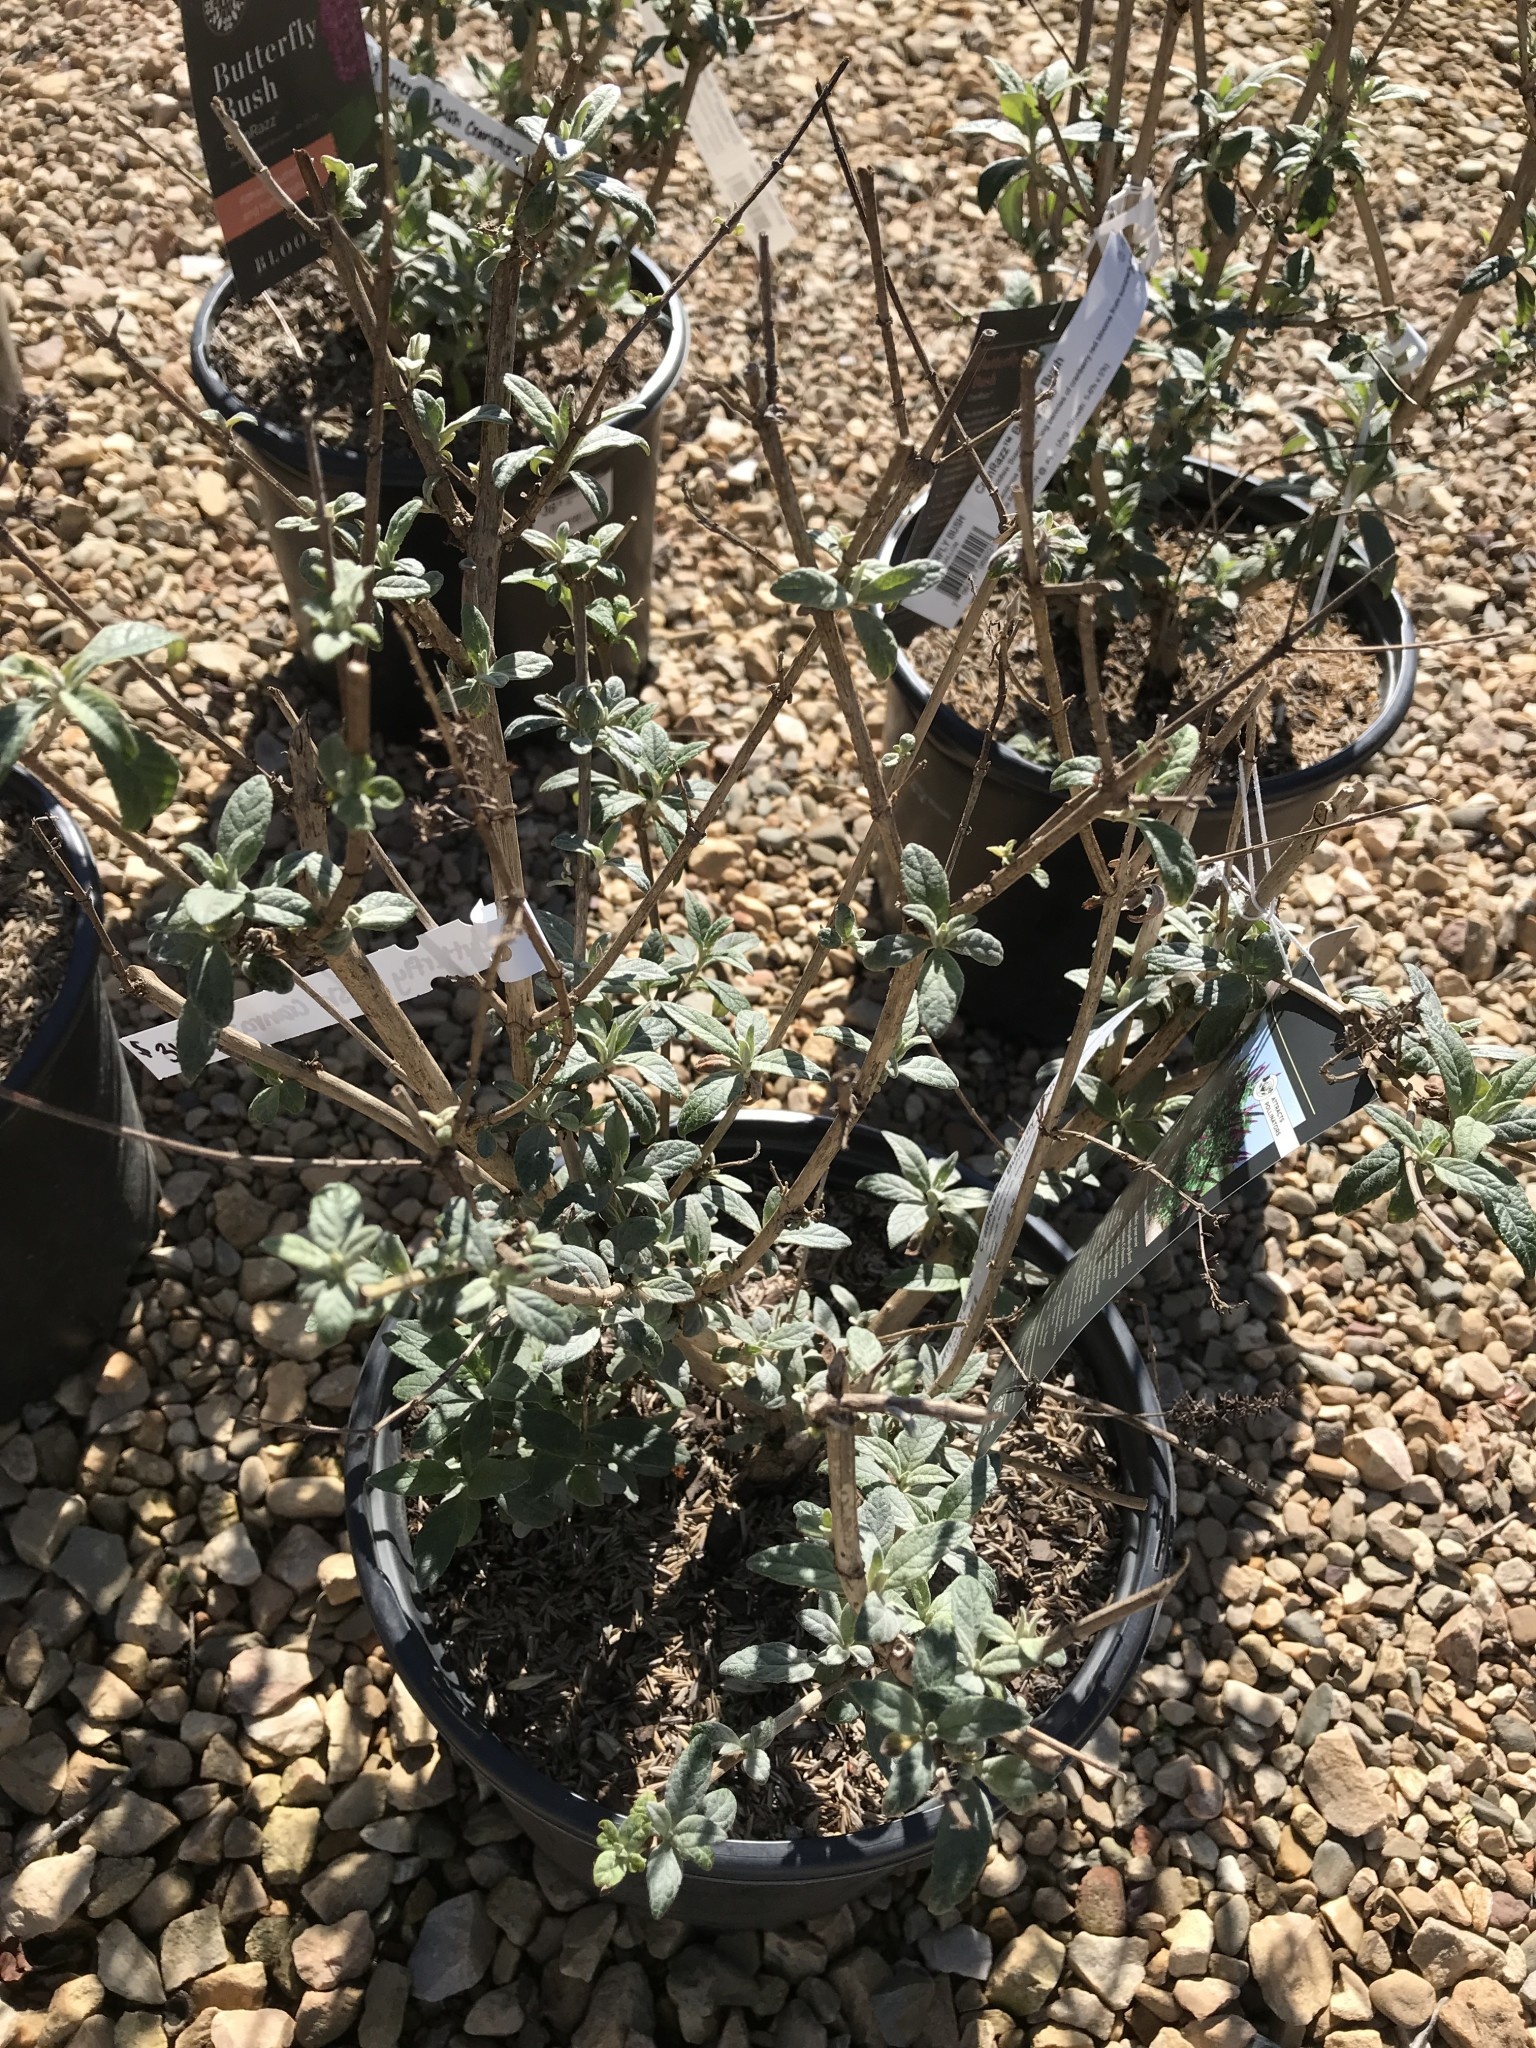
(734, 166)
(568, 507)
(475, 130)
(1071, 380)
(449, 952)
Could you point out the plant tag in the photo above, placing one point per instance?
(734, 166)
(1289, 1081)
(294, 78)
(1071, 380)
(456, 116)
(569, 508)
(449, 952)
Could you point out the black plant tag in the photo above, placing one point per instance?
(1290, 1080)
(989, 397)
(293, 75)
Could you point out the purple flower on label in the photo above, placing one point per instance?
(341, 24)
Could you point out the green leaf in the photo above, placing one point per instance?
(798, 1564)
(1175, 858)
(918, 1553)
(924, 881)
(887, 1708)
(1448, 1049)
(817, 589)
(244, 825)
(878, 643)
(1470, 1137)
(663, 1882)
(939, 992)
(1500, 1196)
(127, 640)
(1081, 772)
(535, 409)
(979, 1720)
(16, 722)
(1492, 270)
(891, 582)
(709, 1101)
(690, 1777)
(765, 1664)
(1169, 777)
(1368, 1179)
(960, 1848)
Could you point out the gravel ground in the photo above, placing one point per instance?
(223, 1820)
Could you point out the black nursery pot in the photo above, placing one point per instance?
(1045, 932)
(761, 1883)
(523, 618)
(77, 1205)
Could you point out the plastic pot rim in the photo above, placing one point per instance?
(957, 737)
(376, 1523)
(348, 463)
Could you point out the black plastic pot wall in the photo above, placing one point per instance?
(523, 618)
(758, 1884)
(77, 1206)
(1046, 931)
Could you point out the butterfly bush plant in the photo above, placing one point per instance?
(1263, 225)
(614, 1262)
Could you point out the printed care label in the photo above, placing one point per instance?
(734, 166)
(1286, 1084)
(449, 952)
(1071, 380)
(292, 74)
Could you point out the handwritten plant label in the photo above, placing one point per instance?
(455, 116)
(449, 952)
(293, 75)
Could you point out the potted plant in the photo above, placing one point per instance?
(641, 1301)
(1227, 498)
(74, 1161)
(581, 274)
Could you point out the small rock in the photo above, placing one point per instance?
(961, 1950)
(1380, 1457)
(231, 1556)
(324, 2016)
(38, 1899)
(282, 1328)
(327, 1956)
(267, 2029)
(262, 1681)
(316, 1496)
(1263, 1709)
(146, 1618)
(453, 1949)
(1101, 1900)
(1112, 1966)
(1481, 2013)
(1026, 1972)
(1458, 1642)
(384, 2006)
(129, 1825)
(287, 1848)
(499, 2015)
(357, 1881)
(587, 1935)
(95, 1563)
(901, 2007)
(1339, 1786)
(621, 2007)
(241, 1217)
(1461, 601)
(1404, 1999)
(1444, 1954)
(1291, 1962)
(192, 1946)
(40, 1529)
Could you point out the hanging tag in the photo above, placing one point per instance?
(734, 166)
(1289, 1082)
(449, 952)
(1071, 380)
